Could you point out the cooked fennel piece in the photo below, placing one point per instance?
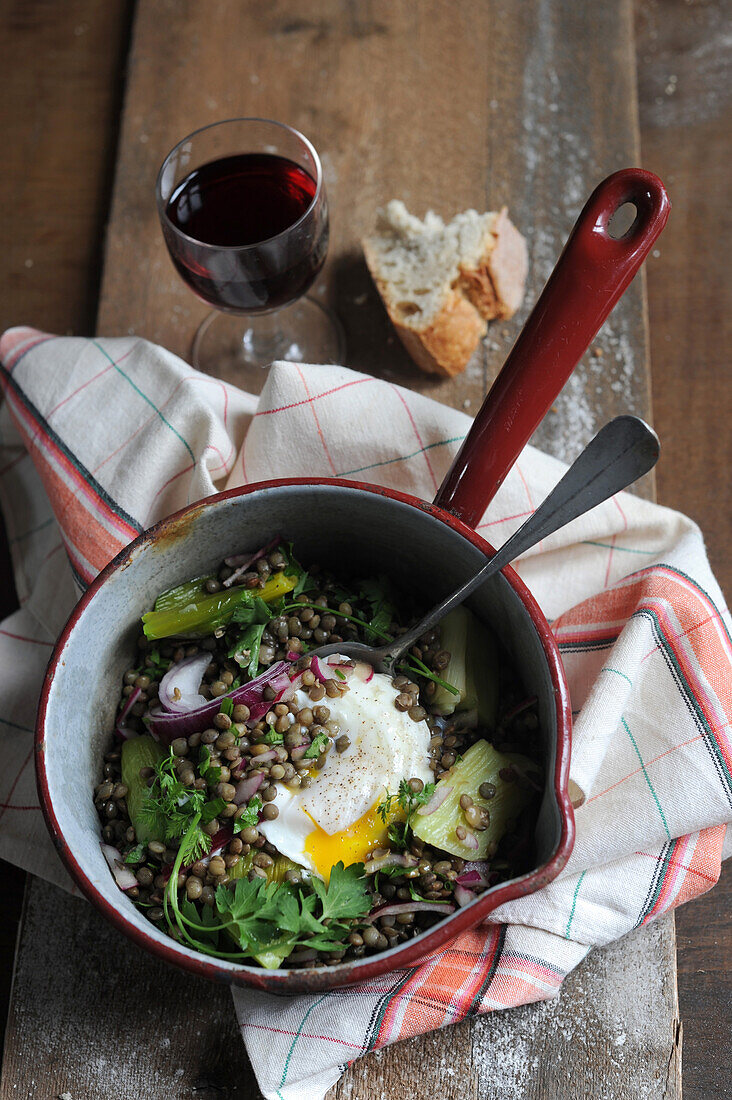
(189, 612)
(473, 667)
(481, 764)
(140, 752)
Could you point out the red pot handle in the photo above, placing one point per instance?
(591, 274)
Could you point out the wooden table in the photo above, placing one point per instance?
(444, 104)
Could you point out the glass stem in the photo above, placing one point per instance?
(263, 340)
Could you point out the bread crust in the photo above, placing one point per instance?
(491, 289)
(446, 345)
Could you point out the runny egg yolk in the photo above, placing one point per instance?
(350, 845)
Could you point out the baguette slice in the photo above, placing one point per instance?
(441, 283)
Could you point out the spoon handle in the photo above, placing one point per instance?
(619, 454)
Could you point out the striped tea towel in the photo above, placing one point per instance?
(100, 438)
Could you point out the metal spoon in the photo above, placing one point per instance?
(619, 454)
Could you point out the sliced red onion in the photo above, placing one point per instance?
(179, 687)
(441, 793)
(391, 859)
(270, 754)
(325, 670)
(363, 672)
(469, 878)
(241, 562)
(292, 656)
(247, 788)
(281, 680)
(412, 907)
(123, 876)
(219, 840)
(285, 694)
(316, 667)
(462, 896)
(120, 727)
(475, 874)
(169, 725)
(299, 751)
(470, 841)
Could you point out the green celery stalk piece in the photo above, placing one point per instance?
(205, 614)
(482, 676)
(140, 752)
(453, 638)
(196, 619)
(480, 764)
(183, 594)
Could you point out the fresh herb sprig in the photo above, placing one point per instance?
(177, 811)
(409, 802)
(339, 614)
(415, 667)
(271, 919)
(250, 815)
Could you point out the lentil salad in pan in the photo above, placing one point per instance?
(260, 805)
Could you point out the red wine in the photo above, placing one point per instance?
(242, 250)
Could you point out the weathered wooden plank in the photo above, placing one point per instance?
(447, 106)
(95, 1017)
(548, 110)
(61, 65)
(62, 94)
(527, 106)
(685, 100)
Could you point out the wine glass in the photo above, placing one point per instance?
(244, 215)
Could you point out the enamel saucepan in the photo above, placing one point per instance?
(431, 548)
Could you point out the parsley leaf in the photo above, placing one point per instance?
(250, 815)
(378, 594)
(346, 894)
(245, 650)
(251, 609)
(272, 737)
(317, 746)
(408, 801)
(258, 913)
(227, 706)
(268, 919)
(205, 770)
(176, 811)
(136, 854)
(212, 809)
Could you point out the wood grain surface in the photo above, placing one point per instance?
(98, 993)
(549, 109)
(445, 105)
(685, 92)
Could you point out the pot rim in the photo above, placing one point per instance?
(413, 951)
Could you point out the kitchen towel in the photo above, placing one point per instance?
(100, 438)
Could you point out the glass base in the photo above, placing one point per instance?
(240, 349)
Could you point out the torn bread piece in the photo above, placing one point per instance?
(441, 283)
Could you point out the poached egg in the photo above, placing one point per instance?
(336, 817)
